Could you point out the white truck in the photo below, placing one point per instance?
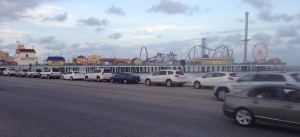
(98, 75)
(51, 73)
(34, 73)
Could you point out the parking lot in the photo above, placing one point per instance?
(54, 107)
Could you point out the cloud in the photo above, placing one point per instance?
(172, 7)
(98, 30)
(258, 3)
(232, 38)
(93, 22)
(14, 9)
(262, 37)
(115, 10)
(295, 40)
(51, 43)
(107, 47)
(48, 40)
(266, 15)
(290, 31)
(59, 18)
(115, 36)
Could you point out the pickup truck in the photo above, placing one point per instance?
(51, 73)
(34, 73)
(98, 75)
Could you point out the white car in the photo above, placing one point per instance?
(21, 73)
(213, 78)
(254, 79)
(99, 75)
(9, 72)
(167, 77)
(72, 75)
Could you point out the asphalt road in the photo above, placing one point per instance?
(57, 108)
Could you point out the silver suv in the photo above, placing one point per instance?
(254, 79)
(167, 77)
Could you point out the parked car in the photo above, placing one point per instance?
(51, 73)
(213, 78)
(73, 75)
(21, 73)
(9, 72)
(125, 77)
(34, 73)
(253, 79)
(167, 77)
(276, 104)
(98, 75)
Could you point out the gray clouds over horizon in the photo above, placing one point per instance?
(93, 22)
(115, 36)
(59, 18)
(115, 11)
(173, 7)
(13, 9)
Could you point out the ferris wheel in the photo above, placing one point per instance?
(260, 52)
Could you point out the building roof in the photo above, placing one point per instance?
(56, 58)
(27, 50)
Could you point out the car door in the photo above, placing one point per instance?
(217, 78)
(267, 108)
(163, 76)
(155, 77)
(206, 79)
(292, 106)
(243, 83)
(120, 77)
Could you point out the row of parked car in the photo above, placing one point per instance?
(272, 97)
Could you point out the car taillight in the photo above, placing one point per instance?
(230, 78)
(177, 76)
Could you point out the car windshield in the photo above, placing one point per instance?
(296, 76)
(38, 70)
(179, 73)
(77, 73)
(24, 70)
(55, 70)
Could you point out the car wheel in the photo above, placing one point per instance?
(62, 77)
(148, 82)
(98, 79)
(197, 85)
(169, 83)
(48, 76)
(244, 117)
(112, 81)
(86, 79)
(221, 93)
(125, 81)
(71, 78)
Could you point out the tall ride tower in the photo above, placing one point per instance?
(246, 37)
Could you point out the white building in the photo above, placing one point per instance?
(25, 56)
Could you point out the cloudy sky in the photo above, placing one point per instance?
(120, 28)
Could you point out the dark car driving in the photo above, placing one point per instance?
(275, 104)
(125, 77)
